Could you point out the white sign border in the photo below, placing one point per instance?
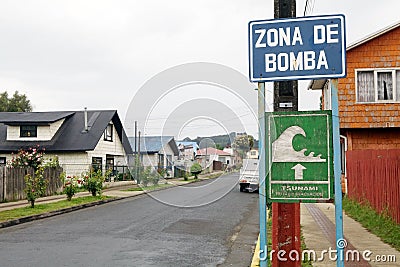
(302, 77)
(328, 182)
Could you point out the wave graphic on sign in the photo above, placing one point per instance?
(283, 151)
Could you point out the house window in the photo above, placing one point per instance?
(385, 85)
(382, 85)
(169, 161)
(28, 131)
(97, 163)
(3, 160)
(108, 133)
(160, 160)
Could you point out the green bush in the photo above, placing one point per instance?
(70, 185)
(145, 176)
(195, 169)
(35, 186)
(93, 181)
(155, 178)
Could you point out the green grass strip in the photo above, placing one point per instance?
(148, 188)
(379, 224)
(47, 207)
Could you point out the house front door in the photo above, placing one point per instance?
(109, 162)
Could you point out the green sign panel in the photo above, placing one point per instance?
(299, 156)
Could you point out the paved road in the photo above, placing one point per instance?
(185, 226)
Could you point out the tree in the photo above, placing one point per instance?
(218, 146)
(17, 103)
(243, 143)
(195, 169)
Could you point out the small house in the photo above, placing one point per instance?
(157, 152)
(81, 140)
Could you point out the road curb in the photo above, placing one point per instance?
(256, 259)
(58, 212)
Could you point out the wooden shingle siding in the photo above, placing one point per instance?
(380, 52)
(361, 139)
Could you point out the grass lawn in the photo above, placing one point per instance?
(148, 188)
(378, 224)
(43, 208)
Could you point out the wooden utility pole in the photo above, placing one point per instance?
(285, 216)
(135, 152)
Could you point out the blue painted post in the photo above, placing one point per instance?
(337, 173)
(262, 174)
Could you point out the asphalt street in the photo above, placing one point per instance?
(193, 225)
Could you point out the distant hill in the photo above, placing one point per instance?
(220, 141)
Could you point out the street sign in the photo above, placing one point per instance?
(297, 48)
(299, 156)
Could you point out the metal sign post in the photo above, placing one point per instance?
(338, 184)
(262, 171)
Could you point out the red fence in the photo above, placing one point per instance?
(374, 175)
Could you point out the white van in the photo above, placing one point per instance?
(248, 180)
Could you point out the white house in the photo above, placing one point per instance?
(80, 139)
(187, 150)
(252, 153)
(207, 156)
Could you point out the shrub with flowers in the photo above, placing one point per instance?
(93, 181)
(71, 184)
(32, 157)
(35, 185)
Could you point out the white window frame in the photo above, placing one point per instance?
(109, 133)
(376, 71)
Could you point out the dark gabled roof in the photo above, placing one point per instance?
(71, 136)
(153, 144)
(37, 118)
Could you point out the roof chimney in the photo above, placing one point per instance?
(86, 129)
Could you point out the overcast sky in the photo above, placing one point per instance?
(68, 54)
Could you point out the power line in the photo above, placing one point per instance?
(309, 7)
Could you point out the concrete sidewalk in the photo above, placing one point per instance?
(319, 232)
(112, 189)
(318, 227)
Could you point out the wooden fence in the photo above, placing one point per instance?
(374, 176)
(12, 182)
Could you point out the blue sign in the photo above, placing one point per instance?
(297, 48)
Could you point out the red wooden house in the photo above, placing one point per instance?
(369, 111)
